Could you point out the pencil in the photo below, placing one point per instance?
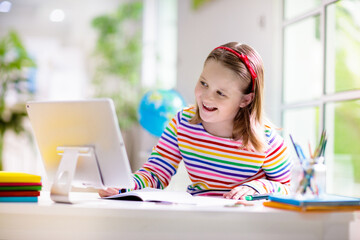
(311, 156)
(257, 197)
(294, 146)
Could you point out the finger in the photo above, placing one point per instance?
(238, 190)
(108, 192)
(226, 195)
(102, 193)
(113, 191)
(231, 193)
(240, 195)
(242, 192)
(250, 192)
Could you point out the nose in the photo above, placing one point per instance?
(209, 95)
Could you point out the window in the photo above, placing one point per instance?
(159, 44)
(321, 84)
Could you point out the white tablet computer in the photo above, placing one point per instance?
(85, 137)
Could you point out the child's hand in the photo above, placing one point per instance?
(108, 192)
(239, 193)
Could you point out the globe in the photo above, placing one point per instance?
(157, 108)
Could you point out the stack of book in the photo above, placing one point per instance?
(323, 203)
(19, 187)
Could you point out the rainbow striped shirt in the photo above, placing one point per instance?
(215, 165)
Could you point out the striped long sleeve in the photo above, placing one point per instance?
(277, 166)
(215, 165)
(163, 161)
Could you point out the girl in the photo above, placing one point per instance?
(226, 146)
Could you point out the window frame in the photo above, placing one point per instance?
(323, 98)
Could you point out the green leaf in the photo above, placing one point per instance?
(118, 52)
(11, 78)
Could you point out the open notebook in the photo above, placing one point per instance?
(170, 197)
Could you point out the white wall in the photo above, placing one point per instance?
(254, 22)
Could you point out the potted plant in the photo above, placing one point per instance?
(14, 91)
(118, 59)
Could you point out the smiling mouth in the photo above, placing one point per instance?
(208, 108)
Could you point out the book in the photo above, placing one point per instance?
(18, 199)
(20, 188)
(19, 193)
(311, 208)
(7, 184)
(325, 200)
(155, 195)
(176, 197)
(13, 177)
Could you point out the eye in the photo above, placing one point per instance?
(203, 83)
(220, 94)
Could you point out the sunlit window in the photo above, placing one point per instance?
(159, 44)
(321, 84)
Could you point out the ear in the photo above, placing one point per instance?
(246, 100)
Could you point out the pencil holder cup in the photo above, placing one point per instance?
(313, 179)
(319, 177)
(297, 175)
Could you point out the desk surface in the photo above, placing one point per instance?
(94, 218)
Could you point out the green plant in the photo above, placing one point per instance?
(118, 57)
(14, 60)
(197, 4)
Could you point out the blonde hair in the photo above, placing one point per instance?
(248, 122)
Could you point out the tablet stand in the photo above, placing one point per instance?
(66, 171)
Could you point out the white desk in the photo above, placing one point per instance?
(103, 219)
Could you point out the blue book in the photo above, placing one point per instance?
(326, 200)
(18, 199)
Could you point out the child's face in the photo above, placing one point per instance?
(218, 94)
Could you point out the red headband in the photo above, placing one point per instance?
(245, 60)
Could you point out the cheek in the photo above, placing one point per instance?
(231, 107)
(197, 91)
